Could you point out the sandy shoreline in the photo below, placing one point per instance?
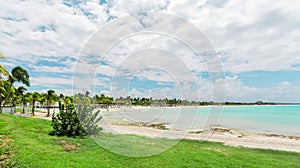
(227, 136)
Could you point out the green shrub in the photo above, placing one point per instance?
(79, 121)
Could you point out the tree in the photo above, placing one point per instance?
(87, 94)
(34, 98)
(4, 88)
(18, 74)
(13, 99)
(3, 71)
(75, 122)
(81, 99)
(104, 100)
(43, 99)
(20, 92)
(25, 99)
(68, 100)
(108, 101)
(61, 96)
(51, 96)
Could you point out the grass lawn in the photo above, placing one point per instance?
(20, 110)
(24, 142)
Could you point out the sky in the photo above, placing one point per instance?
(77, 45)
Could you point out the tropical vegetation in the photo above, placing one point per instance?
(9, 93)
(73, 122)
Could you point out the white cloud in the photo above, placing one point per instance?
(257, 35)
(50, 81)
(68, 92)
(123, 8)
(71, 27)
(236, 90)
(249, 35)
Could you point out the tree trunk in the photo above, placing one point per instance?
(24, 104)
(32, 111)
(48, 109)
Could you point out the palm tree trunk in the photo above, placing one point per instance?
(24, 104)
(48, 109)
(32, 111)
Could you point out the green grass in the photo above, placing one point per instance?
(20, 110)
(31, 146)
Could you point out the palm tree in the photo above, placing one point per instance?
(25, 99)
(34, 98)
(20, 92)
(3, 71)
(4, 89)
(43, 99)
(50, 98)
(18, 74)
(13, 98)
(2, 68)
(68, 100)
(61, 96)
(106, 100)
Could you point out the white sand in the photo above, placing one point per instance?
(226, 136)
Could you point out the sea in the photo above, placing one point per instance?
(265, 119)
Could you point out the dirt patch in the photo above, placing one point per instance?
(5, 140)
(68, 146)
(7, 151)
(161, 126)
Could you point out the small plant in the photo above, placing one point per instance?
(79, 121)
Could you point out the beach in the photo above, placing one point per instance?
(228, 136)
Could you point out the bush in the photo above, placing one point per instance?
(79, 121)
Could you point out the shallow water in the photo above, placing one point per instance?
(283, 120)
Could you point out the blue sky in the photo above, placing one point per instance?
(257, 43)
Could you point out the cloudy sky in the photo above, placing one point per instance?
(256, 47)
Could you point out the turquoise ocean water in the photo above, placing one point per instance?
(284, 120)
